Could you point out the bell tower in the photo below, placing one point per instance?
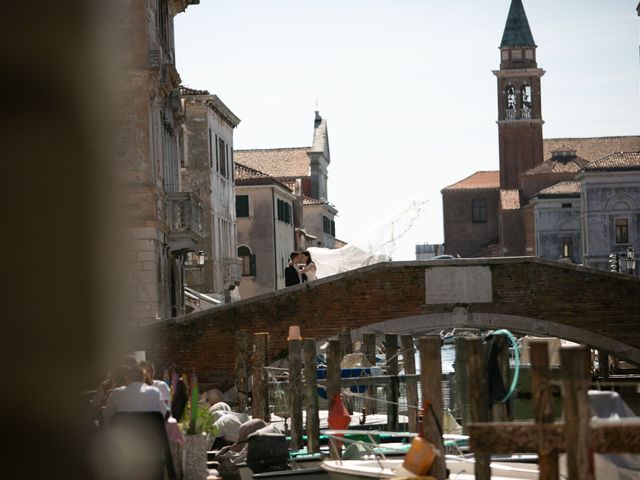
(519, 107)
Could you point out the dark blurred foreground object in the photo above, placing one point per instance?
(137, 446)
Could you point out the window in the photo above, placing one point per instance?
(163, 20)
(284, 211)
(479, 211)
(525, 91)
(567, 247)
(242, 205)
(210, 150)
(516, 54)
(528, 54)
(566, 205)
(248, 261)
(328, 226)
(505, 55)
(622, 230)
(222, 156)
(511, 97)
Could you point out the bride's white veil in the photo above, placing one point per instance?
(375, 244)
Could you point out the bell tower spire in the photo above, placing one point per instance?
(519, 100)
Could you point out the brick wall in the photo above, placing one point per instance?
(599, 302)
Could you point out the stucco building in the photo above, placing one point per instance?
(305, 171)
(264, 215)
(490, 213)
(163, 221)
(207, 170)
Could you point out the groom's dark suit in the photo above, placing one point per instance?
(291, 275)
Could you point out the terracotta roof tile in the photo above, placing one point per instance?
(616, 162)
(560, 162)
(484, 180)
(184, 90)
(249, 176)
(509, 199)
(277, 162)
(561, 189)
(593, 148)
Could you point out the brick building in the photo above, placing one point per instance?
(163, 223)
(489, 213)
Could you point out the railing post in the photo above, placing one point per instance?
(391, 352)
(311, 396)
(333, 385)
(242, 368)
(295, 392)
(369, 350)
(260, 397)
(431, 380)
(408, 353)
(577, 412)
(542, 404)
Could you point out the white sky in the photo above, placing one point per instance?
(406, 86)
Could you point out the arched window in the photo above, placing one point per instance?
(248, 261)
(527, 104)
(511, 97)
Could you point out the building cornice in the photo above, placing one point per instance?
(219, 107)
(519, 72)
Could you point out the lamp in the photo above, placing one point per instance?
(631, 260)
(200, 257)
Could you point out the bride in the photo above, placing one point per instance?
(309, 268)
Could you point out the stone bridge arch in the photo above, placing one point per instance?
(525, 294)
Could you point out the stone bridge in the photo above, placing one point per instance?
(525, 295)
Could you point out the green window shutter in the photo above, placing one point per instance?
(242, 205)
(253, 264)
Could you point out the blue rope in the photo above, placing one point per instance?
(516, 361)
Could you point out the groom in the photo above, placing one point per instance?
(291, 273)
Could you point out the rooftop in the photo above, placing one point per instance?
(277, 162)
(483, 180)
(563, 161)
(618, 161)
(592, 148)
(561, 189)
(249, 176)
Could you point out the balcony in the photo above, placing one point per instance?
(184, 220)
(523, 114)
(232, 270)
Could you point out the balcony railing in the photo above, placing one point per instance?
(184, 218)
(512, 114)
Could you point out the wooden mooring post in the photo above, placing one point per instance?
(431, 380)
(346, 347)
(408, 353)
(576, 435)
(333, 386)
(260, 397)
(369, 350)
(542, 405)
(311, 396)
(242, 369)
(391, 355)
(295, 392)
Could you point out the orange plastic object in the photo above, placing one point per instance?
(420, 456)
(339, 418)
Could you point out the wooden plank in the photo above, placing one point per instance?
(242, 369)
(260, 397)
(500, 411)
(526, 437)
(391, 351)
(515, 437)
(577, 412)
(369, 350)
(408, 353)
(542, 406)
(295, 392)
(311, 396)
(431, 380)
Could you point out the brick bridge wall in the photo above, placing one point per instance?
(595, 302)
